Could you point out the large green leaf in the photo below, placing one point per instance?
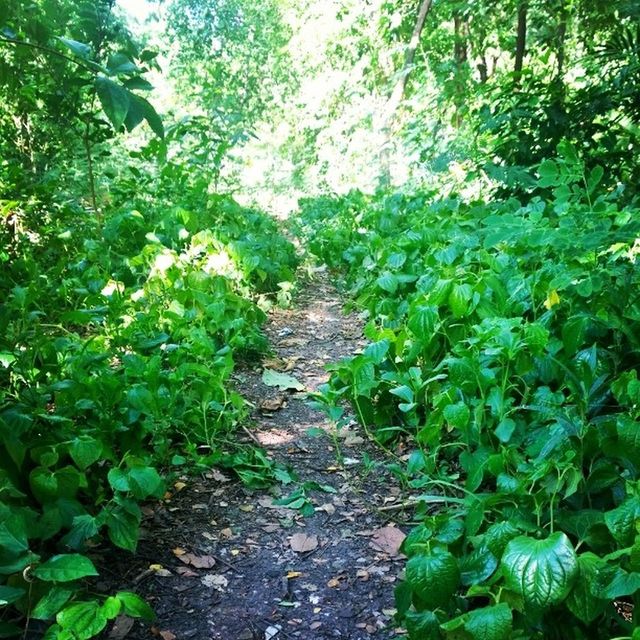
(10, 594)
(433, 577)
(622, 521)
(541, 571)
(423, 321)
(581, 600)
(422, 625)
(84, 619)
(49, 605)
(145, 482)
(135, 606)
(114, 99)
(123, 527)
(85, 450)
(490, 623)
(65, 568)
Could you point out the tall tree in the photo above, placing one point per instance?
(399, 89)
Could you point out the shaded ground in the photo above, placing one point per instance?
(221, 562)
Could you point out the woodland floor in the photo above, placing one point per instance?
(236, 567)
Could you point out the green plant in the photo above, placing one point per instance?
(502, 346)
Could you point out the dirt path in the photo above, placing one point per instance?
(259, 571)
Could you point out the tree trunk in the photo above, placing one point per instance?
(521, 41)
(397, 95)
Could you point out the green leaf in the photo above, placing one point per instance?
(83, 528)
(145, 482)
(423, 321)
(141, 399)
(478, 566)
(581, 601)
(85, 450)
(505, 430)
(65, 568)
(120, 63)
(388, 282)
(490, 623)
(13, 536)
(119, 480)
(135, 606)
(111, 607)
(84, 619)
(139, 110)
(114, 99)
(541, 571)
(49, 605)
(434, 578)
(376, 351)
(457, 415)
(629, 436)
(8, 595)
(123, 527)
(622, 520)
(422, 625)
(498, 535)
(79, 48)
(459, 300)
(281, 380)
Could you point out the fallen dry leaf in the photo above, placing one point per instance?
(159, 570)
(273, 404)
(293, 574)
(327, 507)
(121, 627)
(167, 635)
(214, 581)
(199, 562)
(388, 540)
(179, 486)
(303, 542)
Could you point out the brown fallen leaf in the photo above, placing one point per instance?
(185, 572)
(292, 342)
(303, 542)
(293, 574)
(214, 581)
(167, 635)
(199, 562)
(273, 404)
(388, 540)
(274, 363)
(121, 627)
(328, 508)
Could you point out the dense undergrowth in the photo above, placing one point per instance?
(504, 348)
(119, 336)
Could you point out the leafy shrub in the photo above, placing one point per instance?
(118, 343)
(503, 344)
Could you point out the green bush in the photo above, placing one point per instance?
(504, 346)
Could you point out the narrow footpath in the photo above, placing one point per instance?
(223, 562)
